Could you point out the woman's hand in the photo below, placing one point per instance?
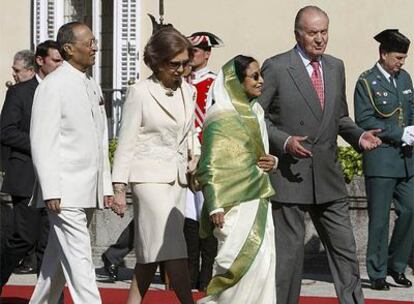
(267, 163)
(119, 203)
(192, 162)
(218, 219)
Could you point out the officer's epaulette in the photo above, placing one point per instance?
(365, 74)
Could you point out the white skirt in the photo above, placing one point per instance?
(159, 221)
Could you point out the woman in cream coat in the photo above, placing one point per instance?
(153, 156)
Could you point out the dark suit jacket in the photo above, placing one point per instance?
(390, 159)
(15, 129)
(292, 108)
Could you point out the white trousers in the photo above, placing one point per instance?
(68, 259)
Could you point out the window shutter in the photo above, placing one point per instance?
(126, 47)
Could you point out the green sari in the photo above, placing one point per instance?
(229, 175)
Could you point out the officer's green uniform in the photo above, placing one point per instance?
(389, 169)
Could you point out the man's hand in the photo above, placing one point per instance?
(369, 140)
(295, 148)
(108, 201)
(53, 204)
(267, 163)
(119, 202)
(218, 219)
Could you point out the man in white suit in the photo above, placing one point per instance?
(70, 155)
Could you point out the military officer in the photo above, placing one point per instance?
(201, 77)
(384, 100)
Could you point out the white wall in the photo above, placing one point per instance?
(15, 36)
(262, 28)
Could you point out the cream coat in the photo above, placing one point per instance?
(151, 147)
(69, 140)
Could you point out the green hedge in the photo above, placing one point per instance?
(351, 162)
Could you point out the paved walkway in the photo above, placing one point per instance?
(312, 285)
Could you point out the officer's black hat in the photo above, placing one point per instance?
(393, 41)
(205, 40)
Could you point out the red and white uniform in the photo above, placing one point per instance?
(202, 80)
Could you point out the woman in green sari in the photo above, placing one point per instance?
(233, 174)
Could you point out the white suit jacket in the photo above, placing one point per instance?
(151, 148)
(69, 140)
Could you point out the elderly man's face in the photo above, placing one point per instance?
(83, 50)
(20, 72)
(393, 61)
(312, 36)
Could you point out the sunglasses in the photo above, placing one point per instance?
(175, 65)
(255, 76)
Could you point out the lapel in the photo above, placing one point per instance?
(158, 93)
(34, 83)
(303, 83)
(330, 87)
(31, 89)
(189, 107)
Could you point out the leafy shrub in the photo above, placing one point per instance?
(112, 147)
(351, 162)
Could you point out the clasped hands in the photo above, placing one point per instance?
(119, 203)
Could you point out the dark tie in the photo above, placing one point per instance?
(392, 81)
(317, 82)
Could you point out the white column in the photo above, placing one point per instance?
(97, 30)
(126, 44)
(39, 21)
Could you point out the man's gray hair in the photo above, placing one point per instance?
(298, 19)
(28, 58)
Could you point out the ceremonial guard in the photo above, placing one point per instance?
(202, 78)
(384, 100)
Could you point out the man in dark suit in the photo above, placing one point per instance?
(115, 254)
(384, 99)
(30, 224)
(305, 105)
(23, 69)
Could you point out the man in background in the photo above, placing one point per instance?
(30, 230)
(201, 77)
(23, 66)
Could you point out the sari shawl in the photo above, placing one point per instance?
(228, 170)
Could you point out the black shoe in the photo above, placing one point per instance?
(400, 278)
(380, 284)
(24, 269)
(111, 269)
